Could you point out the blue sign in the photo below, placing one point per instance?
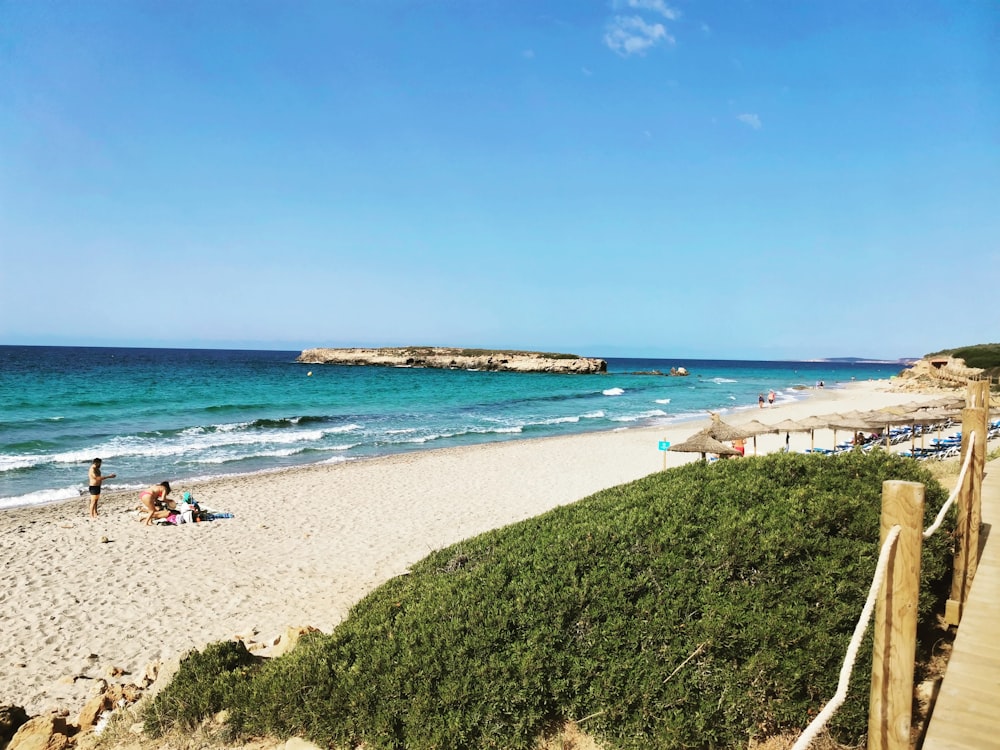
(664, 444)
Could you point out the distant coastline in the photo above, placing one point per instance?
(451, 358)
(903, 362)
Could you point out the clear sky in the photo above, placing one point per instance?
(774, 179)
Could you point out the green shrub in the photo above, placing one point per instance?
(696, 607)
(203, 685)
(986, 356)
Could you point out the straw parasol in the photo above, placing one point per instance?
(724, 432)
(887, 418)
(755, 428)
(702, 442)
(927, 417)
(813, 424)
(853, 421)
(787, 426)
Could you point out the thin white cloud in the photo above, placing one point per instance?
(657, 6)
(586, 71)
(631, 35)
(528, 54)
(750, 119)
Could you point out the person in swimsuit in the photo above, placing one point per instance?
(155, 501)
(770, 398)
(94, 479)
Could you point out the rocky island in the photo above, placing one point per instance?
(448, 358)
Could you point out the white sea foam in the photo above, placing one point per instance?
(512, 430)
(613, 391)
(559, 420)
(41, 497)
(342, 428)
(641, 415)
(263, 454)
(720, 381)
(663, 400)
(9, 463)
(599, 414)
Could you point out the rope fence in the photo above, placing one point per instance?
(929, 532)
(817, 724)
(878, 588)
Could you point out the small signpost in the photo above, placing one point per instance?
(664, 446)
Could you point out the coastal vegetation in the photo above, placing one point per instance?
(986, 356)
(697, 607)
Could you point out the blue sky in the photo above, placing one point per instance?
(717, 178)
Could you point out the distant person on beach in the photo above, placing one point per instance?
(760, 400)
(770, 398)
(740, 445)
(94, 479)
(821, 384)
(155, 501)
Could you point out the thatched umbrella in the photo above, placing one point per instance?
(813, 424)
(724, 432)
(787, 426)
(887, 418)
(755, 428)
(927, 417)
(702, 442)
(948, 402)
(853, 423)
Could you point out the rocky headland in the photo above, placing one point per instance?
(448, 358)
(940, 371)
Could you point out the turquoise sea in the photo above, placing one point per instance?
(182, 414)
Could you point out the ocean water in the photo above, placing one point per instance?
(181, 414)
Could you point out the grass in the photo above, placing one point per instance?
(700, 607)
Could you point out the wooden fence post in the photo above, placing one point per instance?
(895, 630)
(975, 418)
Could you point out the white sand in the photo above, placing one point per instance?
(304, 546)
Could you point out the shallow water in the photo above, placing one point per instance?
(154, 414)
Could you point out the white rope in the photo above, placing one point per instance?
(817, 724)
(954, 493)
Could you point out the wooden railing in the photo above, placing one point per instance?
(896, 585)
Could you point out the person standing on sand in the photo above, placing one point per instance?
(94, 479)
(760, 400)
(770, 398)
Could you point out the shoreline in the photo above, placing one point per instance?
(669, 423)
(82, 595)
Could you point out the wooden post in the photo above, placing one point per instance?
(895, 630)
(975, 418)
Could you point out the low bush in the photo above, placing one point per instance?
(202, 686)
(694, 608)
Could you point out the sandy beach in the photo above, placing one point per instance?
(80, 596)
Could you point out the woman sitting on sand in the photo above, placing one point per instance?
(155, 501)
